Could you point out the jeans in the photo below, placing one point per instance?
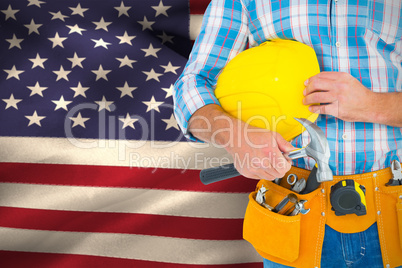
(347, 250)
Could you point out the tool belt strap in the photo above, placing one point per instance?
(296, 241)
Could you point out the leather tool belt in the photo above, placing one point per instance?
(297, 241)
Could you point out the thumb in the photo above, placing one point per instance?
(284, 145)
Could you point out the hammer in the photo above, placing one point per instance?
(318, 149)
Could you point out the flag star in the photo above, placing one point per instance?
(169, 91)
(126, 61)
(170, 68)
(12, 102)
(79, 120)
(128, 121)
(146, 24)
(76, 61)
(101, 43)
(14, 42)
(79, 90)
(78, 10)
(10, 12)
(33, 27)
(35, 119)
(37, 89)
(100, 73)
(161, 9)
(122, 9)
(126, 90)
(101, 24)
(13, 73)
(61, 103)
(35, 2)
(62, 74)
(57, 40)
(166, 38)
(38, 61)
(153, 104)
(152, 75)
(75, 29)
(126, 38)
(151, 51)
(58, 15)
(104, 104)
(171, 122)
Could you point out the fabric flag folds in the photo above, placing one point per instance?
(94, 171)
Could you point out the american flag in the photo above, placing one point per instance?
(94, 171)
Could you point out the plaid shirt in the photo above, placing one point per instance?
(363, 39)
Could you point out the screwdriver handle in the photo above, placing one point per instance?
(215, 174)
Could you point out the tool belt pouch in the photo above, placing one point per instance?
(389, 221)
(278, 237)
(399, 213)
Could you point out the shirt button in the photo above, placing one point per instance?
(344, 136)
(338, 44)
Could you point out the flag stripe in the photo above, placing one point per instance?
(30, 259)
(195, 26)
(101, 176)
(95, 171)
(103, 222)
(124, 200)
(160, 249)
(197, 9)
(129, 153)
(198, 6)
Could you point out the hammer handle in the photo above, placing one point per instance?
(312, 182)
(220, 173)
(216, 174)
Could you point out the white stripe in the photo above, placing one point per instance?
(162, 249)
(195, 26)
(178, 155)
(126, 200)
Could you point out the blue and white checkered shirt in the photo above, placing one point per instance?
(363, 39)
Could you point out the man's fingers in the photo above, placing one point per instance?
(326, 81)
(318, 84)
(283, 145)
(329, 109)
(266, 168)
(330, 75)
(319, 97)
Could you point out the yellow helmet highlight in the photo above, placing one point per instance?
(263, 86)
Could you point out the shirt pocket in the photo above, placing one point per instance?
(384, 19)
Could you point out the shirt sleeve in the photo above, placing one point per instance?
(223, 35)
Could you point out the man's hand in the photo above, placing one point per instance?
(341, 95)
(257, 152)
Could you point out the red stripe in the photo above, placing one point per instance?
(198, 6)
(126, 223)
(104, 176)
(44, 260)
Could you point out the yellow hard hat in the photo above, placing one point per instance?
(264, 85)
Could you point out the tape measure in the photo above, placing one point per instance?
(348, 197)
